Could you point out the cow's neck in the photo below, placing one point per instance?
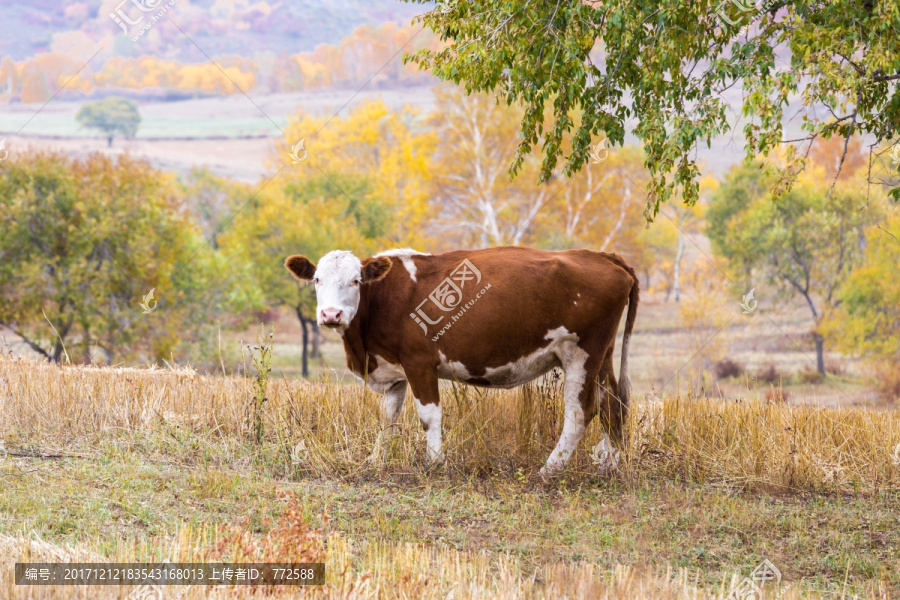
(367, 340)
(356, 346)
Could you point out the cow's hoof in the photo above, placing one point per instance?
(608, 470)
(547, 472)
(435, 460)
(609, 465)
(606, 457)
(380, 450)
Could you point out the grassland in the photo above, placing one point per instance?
(141, 464)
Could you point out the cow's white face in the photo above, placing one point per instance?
(338, 278)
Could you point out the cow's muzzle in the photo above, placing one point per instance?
(331, 317)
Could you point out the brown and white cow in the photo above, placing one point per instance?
(498, 317)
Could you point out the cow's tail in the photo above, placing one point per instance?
(624, 382)
(619, 408)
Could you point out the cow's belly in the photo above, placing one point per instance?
(562, 350)
(521, 371)
(384, 376)
(518, 372)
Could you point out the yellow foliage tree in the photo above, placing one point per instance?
(378, 154)
(867, 318)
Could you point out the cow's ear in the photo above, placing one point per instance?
(375, 269)
(300, 267)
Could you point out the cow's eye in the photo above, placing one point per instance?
(316, 280)
(357, 281)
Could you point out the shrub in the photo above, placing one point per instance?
(810, 375)
(727, 368)
(769, 374)
(835, 367)
(889, 381)
(778, 395)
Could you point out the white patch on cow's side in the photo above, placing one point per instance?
(573, 359)
(452, 369)
(535, 364)
(430, 416)
(385, 375)
(405, 255)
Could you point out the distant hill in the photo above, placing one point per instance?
(207, 27)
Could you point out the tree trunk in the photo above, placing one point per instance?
(57, 351)
(316, 351)
(677, 276)
(109, 141)
(304, 322)
(820, 353)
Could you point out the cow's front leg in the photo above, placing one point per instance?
(428, 403)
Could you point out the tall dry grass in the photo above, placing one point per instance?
(329, 429)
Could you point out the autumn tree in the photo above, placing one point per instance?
(310, 219)
(384, 156)
(867, 319)
(583, 69)
(687, 219)
(478, 203)
(112, 116)
(803, 245)
(657, 262)
(212, 201)
(97, 255)
(599, 207)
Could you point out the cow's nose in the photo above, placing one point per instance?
(332, 316)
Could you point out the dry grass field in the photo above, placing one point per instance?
(151, 464)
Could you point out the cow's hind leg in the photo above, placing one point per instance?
(579, 393)
(393, 405)
(612, 412)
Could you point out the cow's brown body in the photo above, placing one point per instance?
(521, 313)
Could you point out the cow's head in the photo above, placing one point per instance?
(337, 280)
